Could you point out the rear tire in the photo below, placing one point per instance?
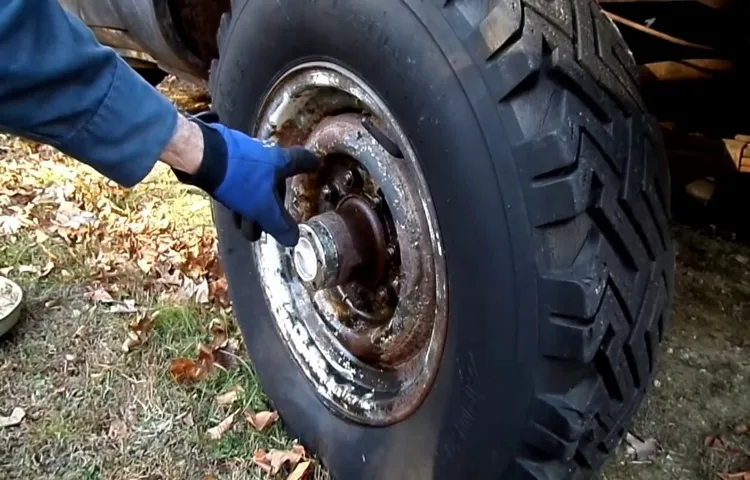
(552, 193)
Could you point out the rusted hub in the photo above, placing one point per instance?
(361, 301)
(342, 245)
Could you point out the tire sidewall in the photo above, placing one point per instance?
(470, 424)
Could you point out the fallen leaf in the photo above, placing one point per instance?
(9, 225)
(271, 462)
(218, 329)
(118, 430)
(215, 433)
(300, 472)
(100, 295)
(741, 259)
(201, 292)
(138, 331)
(713, 441)
(5, 270)
(185, 369)
(40, 236)
(736, 476)
(641, 450)
(741, 429)
(261, 420)
(219, 292)
(127, 306)
(27, 269)
(14, 419)
(230, 396)
(208, 476)
(188, 420)
(47, 269)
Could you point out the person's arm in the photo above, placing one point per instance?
(59, 86)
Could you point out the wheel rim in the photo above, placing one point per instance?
(361, 302)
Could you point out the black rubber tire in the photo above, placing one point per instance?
(154, 76)
(552, 195)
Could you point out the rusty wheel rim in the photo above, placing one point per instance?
(363, 314)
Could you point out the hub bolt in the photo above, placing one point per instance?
(326, 193)
(390, 251)
(348, 179)
(382, 295)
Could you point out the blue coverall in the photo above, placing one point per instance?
(53, 90)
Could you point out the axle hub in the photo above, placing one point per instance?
(338, 246)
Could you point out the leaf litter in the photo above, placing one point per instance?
(261, 420)
(272, 461)
(15, 418)
(215, 433)
(230, 396)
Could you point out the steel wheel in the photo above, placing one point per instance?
(361, 301)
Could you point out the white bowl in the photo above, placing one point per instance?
(10, 304)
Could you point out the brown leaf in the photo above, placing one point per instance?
(713, 441)
(14, 419)
(187, 370)
(100, 295)
(271, 462)
(736, 476)
(261, 420)
(208, 476)
(118, 430)
(641, 450)
(40, 236)
(219, 292)
(138, 331)
(741, 429)
(218, 330)
(215, 433)
(230, 396)
(301, 471)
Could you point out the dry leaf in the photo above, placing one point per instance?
(118, 430)
(215, 433)
(201, 292)
(225, 356)
(300, 472)
(713, 441)
(271, 462)
(40, 236)
(47, 269)
(641, 450)
(27, 269)
(186, 370)
(230, 396)
(14, 419)
(736, 476)
(741, 429)
(9, 225)
(138, 331)
(102, 296)
(219, 292)
(5, 270)
(208, 476)
(261, 420)
(218, 330)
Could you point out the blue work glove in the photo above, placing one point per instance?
(248, 176)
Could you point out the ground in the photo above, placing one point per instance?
(93, 282)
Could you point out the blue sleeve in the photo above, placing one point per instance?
(59, 86)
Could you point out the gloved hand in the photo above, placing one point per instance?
(248, 176)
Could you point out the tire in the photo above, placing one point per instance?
(153, 76)
(552, 194)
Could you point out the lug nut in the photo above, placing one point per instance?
(348, 179)
(390, 251)
(326, 193)
(382, 295)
